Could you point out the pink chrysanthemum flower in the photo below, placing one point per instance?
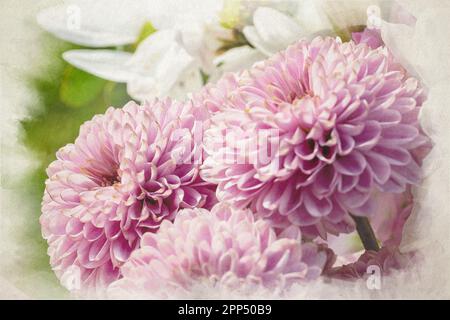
(128, 170)
(225, 248)
(310, 134)
(215, 96)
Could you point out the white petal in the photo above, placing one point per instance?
(106, 64)
(276, 29)
(144, 88)
(255, 40)
(160, 62)
(344, 14)
(397, 38)
(190, 81)
(245, 9)
(162, 55)
(311, 16)
(238, 58)
(98, 23)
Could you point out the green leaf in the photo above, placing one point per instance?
(79, 88)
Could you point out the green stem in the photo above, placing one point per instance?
(366, 233)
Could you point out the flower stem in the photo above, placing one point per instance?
(366, 233)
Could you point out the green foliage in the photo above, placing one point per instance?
(67, 97)
(78, 88)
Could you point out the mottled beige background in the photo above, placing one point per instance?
(20, 54)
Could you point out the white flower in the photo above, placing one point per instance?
(100, 23)
(188, 36)
(168, 62)
(272, 31)
(423, 47)
(239, 13)
(275, 28)
(237, 59)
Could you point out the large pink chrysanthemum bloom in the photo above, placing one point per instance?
(226, 249)
(128, 170)
(310, 134)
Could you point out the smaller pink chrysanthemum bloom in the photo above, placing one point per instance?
(128, 170)
(311, 134)
(225, 249)
(214, 96)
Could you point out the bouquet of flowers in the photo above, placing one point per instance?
(269, 145)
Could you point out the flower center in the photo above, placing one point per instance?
(107, 181)
(103, 178)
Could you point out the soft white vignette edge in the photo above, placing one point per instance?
(20, 55)
(428, 229)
